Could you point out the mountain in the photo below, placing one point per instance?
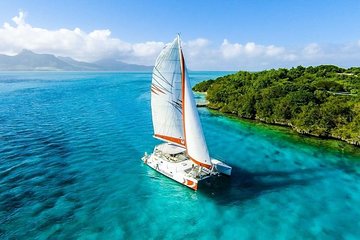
(116, 65)
(83, 66)
(29, 61)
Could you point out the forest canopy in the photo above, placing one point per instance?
(321, 101)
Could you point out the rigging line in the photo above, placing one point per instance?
(165, 58)
(159, 75)
(160, 88)
(160, 85)
(171, 48)
(160, 78)
(176, 106)
(153, 91)
(154, 88)
(169, 60)
(155, 78)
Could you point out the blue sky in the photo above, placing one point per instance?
(217, 35)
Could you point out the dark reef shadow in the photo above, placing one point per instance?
(244, 185)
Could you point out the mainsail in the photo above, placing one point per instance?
(174, 112)
(166, 99)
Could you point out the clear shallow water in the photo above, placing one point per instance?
(70, 149)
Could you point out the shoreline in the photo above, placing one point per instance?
(289, 126)
(321, 101)
(279, 123)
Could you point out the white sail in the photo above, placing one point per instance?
(195, 141)
(176, 121)
(166, 95)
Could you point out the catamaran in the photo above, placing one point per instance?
(183, 156)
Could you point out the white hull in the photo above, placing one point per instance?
(180, 168)
(221, 167)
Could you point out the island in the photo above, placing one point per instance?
(322, 101)
(27, 60)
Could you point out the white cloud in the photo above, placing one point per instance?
(73, 43)
(145, 53)
(254, 56)
(251, 50)
(197, 43)
(19, 20)
(196, 48)
(229, 50)
(274, 51)
(311, 50)
(200, 53)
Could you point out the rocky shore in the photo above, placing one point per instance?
(288, 124)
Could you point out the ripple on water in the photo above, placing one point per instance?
(70, 149)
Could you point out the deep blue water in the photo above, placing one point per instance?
(70, 149)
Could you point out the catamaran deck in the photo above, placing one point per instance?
(172, 160)
(180, 164)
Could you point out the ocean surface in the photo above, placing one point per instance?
(70, 168)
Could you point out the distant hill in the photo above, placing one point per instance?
(111, 64)
(29, 61)
(82, 66)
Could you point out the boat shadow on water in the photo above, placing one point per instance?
(244, 185)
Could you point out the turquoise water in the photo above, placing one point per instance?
(70, 149)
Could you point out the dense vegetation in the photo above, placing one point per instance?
(321, 101)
